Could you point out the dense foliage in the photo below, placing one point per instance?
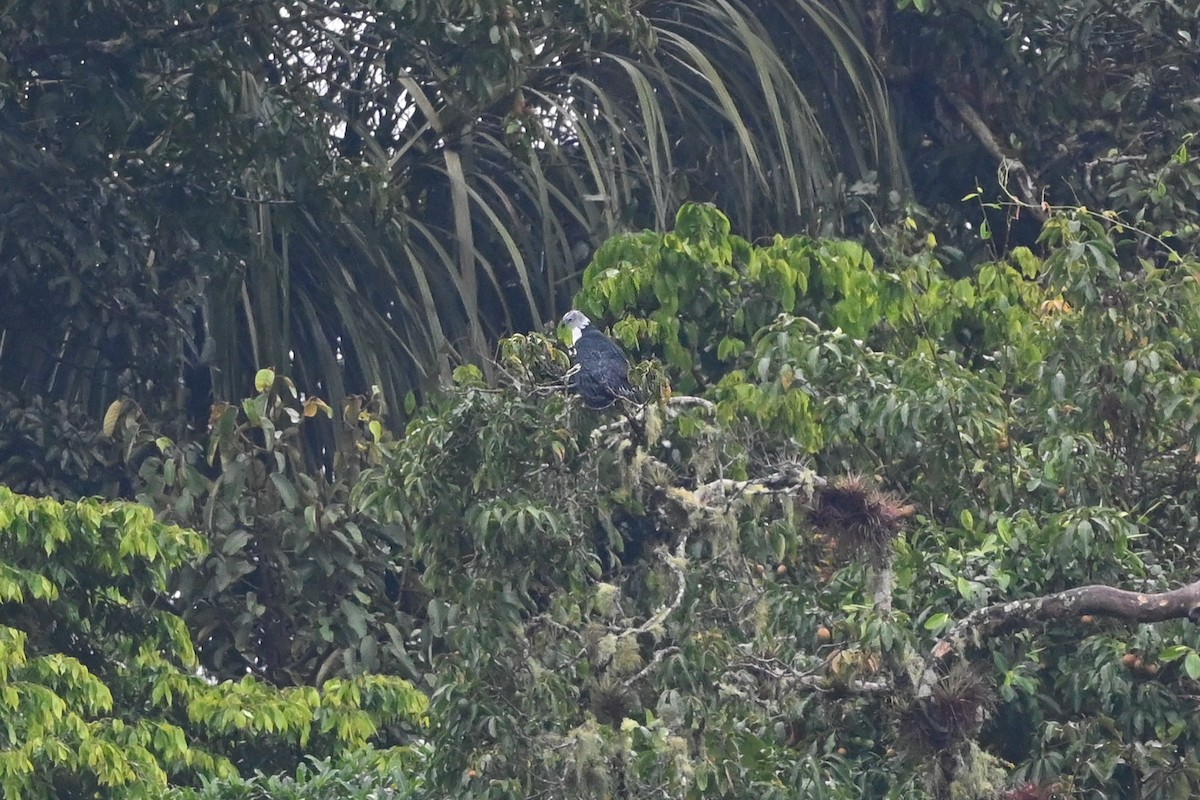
(711, 602)
(757, 584)
(358, 193)
(99, 680)
(700, 613)
(291, 588)
(1076, 103)
(364, 774)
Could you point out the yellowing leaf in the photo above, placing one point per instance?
(112, 416)
(467, 374)
(264, 379)
(313, 405)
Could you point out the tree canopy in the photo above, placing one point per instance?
(361, 194)
(296, 500)
(102, 691)
(760, 599)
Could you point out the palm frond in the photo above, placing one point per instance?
(395, 191)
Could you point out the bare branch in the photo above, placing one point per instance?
(1030, 197)
(1107, 601)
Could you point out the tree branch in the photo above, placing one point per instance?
(688, 400)
(673, 405)
(659, 655)
(881, 585)
(659, 618)
(792, 680)
(1009, 165)
(1107, 601)
(790, 479)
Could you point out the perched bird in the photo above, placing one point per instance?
(600, 374)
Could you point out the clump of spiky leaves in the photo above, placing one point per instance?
(860, 519)
(951, 714)
(611, 700)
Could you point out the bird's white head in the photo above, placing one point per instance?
(576, 320)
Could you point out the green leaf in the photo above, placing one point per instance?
(467, 375)
(1191, 665)
(1174, 652)
(937, 622)
(730, 347)
(286, 489)
(234, 542)
(264, 379)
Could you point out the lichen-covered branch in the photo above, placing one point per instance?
(673, 406)
(791, 680)
(882, 583)
(675, 563)
(788, 480)
(684, 400)
(655, 661)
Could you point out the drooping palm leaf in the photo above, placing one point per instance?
(384, 189)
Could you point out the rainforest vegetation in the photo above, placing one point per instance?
(295, 503)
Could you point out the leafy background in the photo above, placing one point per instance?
(263, 266)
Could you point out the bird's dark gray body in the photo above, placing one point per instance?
(600, 375)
